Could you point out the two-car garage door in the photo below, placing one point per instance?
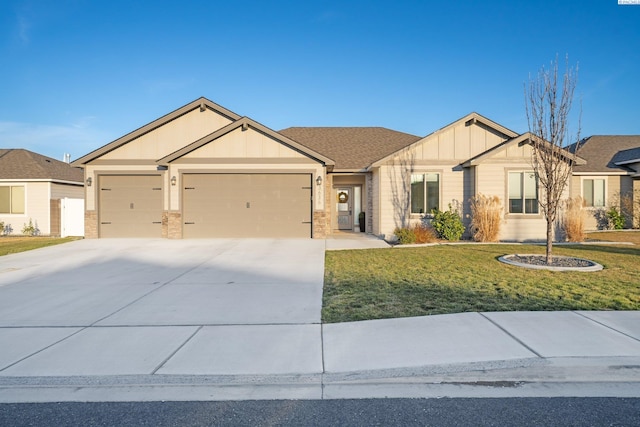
(246, 205)
(213, 205)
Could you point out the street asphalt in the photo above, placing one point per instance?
(225, 319)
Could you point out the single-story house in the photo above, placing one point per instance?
(205, 171)
(610, 177)
(41, 190)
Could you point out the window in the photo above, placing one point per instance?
(425, 192)
(523, 193)
(593, 192)
(12, 200)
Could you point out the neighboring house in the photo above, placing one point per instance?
(42, 190)
(204, 171)
(610, 177)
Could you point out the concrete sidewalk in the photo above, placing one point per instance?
(470, 354)
(227, 321)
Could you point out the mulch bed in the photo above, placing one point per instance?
(556, 261)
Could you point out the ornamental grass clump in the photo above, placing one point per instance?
(486, 218)
(574, 218)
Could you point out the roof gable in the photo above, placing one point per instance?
(353, 148)
(245, 124)
(20, 164)
(202, 104)
(466, 121)
(513, 148)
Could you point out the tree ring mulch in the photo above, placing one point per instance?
(558, 263)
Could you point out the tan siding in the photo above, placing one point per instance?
(459, 143)
(375, 202)
(390, 217)
(37, 207)
(446, 144)
(492, 180)
(462, 143)
(478, 141)
(525, 228)
(60, 191)
(242, 144)
(170, 137)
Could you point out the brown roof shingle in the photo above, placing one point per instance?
(602, 152)
(24, 164)
(352, 148)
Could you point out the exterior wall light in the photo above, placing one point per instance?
(319, 180)
(89, 181)
(173, 181)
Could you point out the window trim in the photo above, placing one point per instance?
(423, 173)
(523, 214)
(606, 188)
(24, 200)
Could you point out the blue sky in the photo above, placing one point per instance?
(77, 74)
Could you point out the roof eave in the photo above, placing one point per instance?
(245, 123)
(202, 103)
(469, 119)
(627, 162)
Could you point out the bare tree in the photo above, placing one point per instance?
(548, 104)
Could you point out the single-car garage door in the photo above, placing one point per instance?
(130, 205)
(246, 205)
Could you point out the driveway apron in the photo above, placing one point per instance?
(147, 306)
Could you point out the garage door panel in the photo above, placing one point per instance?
(130, 206)
(247, 205)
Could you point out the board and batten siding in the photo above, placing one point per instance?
(459, 142)
(244, 144)
(170, 137)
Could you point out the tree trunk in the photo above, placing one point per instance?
(549, 240)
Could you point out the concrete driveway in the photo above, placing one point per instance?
(138, 306)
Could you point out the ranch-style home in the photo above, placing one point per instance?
(203, 171)
(42, 191)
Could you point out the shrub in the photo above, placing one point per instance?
(616, 219)
(486, 217)
(416, 234)
(29, 230)
(405, 235)
(447, 224)
(574, 218)
(1, 228)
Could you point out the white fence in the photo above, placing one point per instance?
(71, 217)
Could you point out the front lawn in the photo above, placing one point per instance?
(401, 282)
(11, 245)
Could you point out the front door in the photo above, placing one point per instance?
(344, 204)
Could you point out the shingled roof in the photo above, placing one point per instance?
(602, 152)
(352, 148)
(20, 164)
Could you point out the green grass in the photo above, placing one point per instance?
(12, 245)
(402, 282)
